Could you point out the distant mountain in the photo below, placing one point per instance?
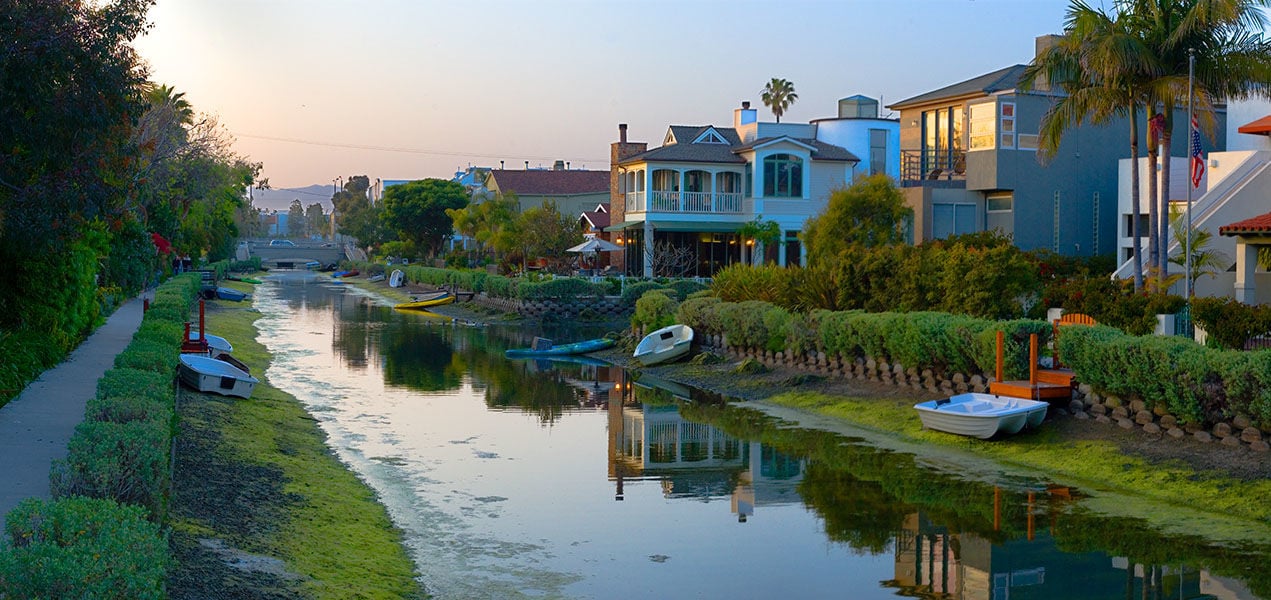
(280, 199)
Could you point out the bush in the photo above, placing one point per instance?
(125, 462)
(162, 331)
(149, 356)
(686, 287)
(654, 310)
(1229, 323)
(83, 548)
(635, 291)
(125, 395)
(560, 288)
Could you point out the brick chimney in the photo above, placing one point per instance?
(617, 201)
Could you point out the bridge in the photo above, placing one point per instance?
(296, 256)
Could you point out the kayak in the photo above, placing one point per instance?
(562, 350)
(436, 299)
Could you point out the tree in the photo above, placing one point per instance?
(871, 212)
(297, 225)
(417, 211)
(316, 220)
(1103, 69)
(546, 233)
(761, 231)
(778, 95)
(1205, 260)
(491, 221)
(355, 216)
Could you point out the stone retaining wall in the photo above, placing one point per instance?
(607, 308)
(1086, 404)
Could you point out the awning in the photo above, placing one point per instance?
(703, 226)
(1260, 127)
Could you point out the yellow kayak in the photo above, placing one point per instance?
(428, 301)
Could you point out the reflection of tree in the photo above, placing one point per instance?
(419, 357)
(858, 513)
(512, 384)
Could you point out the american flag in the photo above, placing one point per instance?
(1198, 161)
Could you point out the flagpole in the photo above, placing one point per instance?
(1191, 66)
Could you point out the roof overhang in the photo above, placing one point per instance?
(1259, 127)
(703, 226)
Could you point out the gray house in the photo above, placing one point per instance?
(969, 163)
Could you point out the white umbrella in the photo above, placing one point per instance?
(594, 245)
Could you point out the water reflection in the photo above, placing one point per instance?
(439, 429)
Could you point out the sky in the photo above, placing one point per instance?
(406, 89)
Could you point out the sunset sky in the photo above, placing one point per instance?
(406, 89)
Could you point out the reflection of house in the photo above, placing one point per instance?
(933, 561)
(695, 460)
(696, 190)
(969, 164)
(572, 190)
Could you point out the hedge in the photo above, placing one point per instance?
(926, 340)
(83, 548)
(654, 310)
(125, 462)
(1197, 385)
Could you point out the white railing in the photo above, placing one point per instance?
(684, 202)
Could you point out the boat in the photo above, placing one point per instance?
(348, 273)
(652, 382)
(375, 278)
(313, 265)
(210, 375)
(250, 280)
(215, 343)
(546, 350)
(225, 293)
(428, 301)
(664, 345)
(981, 415)
(234, 362)
(396, 278)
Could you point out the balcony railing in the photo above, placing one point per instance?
(917, 166)
(684, 202)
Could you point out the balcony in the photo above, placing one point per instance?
(923, 167)
(684, 202)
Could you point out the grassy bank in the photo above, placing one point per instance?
(1174, 491)
(257, 476)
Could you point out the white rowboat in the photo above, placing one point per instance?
(210, 375)
(215, 343)
(981, 415)
(664, 345)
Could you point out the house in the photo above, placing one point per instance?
(573, 190)
(969, 163)
(677, 208)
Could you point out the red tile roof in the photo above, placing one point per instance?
(1261, 126)
(1258, 224)
(552, 183)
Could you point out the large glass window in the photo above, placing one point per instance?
(877, 151)
(942, 141)
(783, 176)
(983, 126)
(666, 180)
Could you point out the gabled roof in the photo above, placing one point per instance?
(1260, 127)
(686, 151)
(598, 220)
(987, 84)
(1258, 224)
(820, 150)
(551, 183)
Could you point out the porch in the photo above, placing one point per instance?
(698, 191)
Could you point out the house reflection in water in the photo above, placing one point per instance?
(692, 460)
(934, 562)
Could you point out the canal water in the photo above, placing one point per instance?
(561, 479)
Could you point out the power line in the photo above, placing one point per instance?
(413, 150)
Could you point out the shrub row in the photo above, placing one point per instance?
(942, 342)
(1230, 324)
(1196, 384)
(100, 535)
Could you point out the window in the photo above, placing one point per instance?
(666, 180)
(1000, 203)
(1027, 141)
(727, 183)
(877, 151)
(783, 176)
(983, 126)
(950, 219)
(697, 181)
(1008, 125)
(999, 209)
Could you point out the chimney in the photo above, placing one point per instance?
(527, 165)
(622, 133)
(744, 115)
(566, 165)
(500, 165)
(558, 165)
(745, 104)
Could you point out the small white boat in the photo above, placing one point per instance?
(396, 278)
(375, 278)
(981, 415)
(215, 343)
(210, 375)
(664, 345)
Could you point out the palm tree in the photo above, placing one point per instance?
(779, 95)
(1232, 57)
(1102, 67)
(1205, 260)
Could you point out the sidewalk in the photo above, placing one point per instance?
(36, 426)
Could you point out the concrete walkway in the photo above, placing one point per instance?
(36, 426)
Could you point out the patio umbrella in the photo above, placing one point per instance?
(594, 245)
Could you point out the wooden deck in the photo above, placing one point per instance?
(1037, 391)
(1056, 376)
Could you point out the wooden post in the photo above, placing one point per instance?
(145, 305)
(1032, 360)
(997, 502)
(1000, 351)
(201, 321)
(1030, 516)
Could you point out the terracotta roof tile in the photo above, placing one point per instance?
(1258, 224)
(1259, 127)
(551, 183)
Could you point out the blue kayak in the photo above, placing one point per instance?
(564, 349)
